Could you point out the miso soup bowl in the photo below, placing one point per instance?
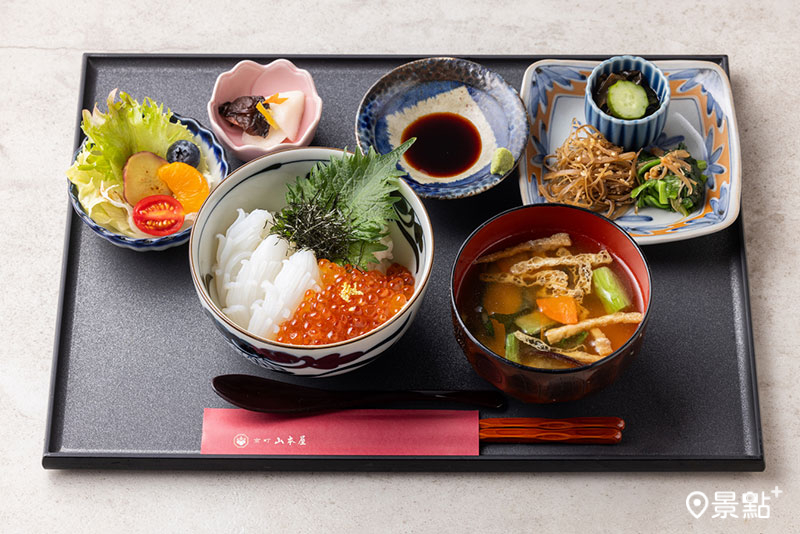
(531, 384)
(261, 184)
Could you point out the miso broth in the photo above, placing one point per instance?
(523, 312)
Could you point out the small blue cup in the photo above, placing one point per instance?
(630, 134)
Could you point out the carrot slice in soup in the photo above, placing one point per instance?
(497, 344)
(563, 309)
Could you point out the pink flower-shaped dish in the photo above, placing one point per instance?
(251, 78)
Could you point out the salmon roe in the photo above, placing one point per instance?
(352, 302)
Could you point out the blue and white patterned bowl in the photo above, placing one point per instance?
(630, 134)
(444, 85)
(214, 154)
(261, 183)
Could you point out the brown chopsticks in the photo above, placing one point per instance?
(600, 430)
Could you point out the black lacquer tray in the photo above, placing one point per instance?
(135, 355)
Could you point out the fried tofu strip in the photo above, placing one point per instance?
(534, 342)
(554, 335)
(601, 343)
(583, 277)
(556, 283)
(579, 355)
(536, 245)
(581, 274)
(542, 278)
(537, 263)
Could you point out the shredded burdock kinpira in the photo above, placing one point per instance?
(590, 172)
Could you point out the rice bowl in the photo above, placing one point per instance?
(261, 184)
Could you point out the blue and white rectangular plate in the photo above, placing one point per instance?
(701, 115)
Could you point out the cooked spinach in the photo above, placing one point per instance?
(670, 192)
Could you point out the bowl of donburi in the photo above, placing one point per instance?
(312, 261)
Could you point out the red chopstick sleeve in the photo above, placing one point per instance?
(348, 432)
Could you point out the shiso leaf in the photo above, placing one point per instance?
(342, 208)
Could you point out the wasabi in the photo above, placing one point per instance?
(502, 161)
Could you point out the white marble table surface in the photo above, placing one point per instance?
(40, 53)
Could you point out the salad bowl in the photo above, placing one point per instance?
(214, 155)
(261, 184)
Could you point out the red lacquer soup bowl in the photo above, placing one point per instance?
(531, 384)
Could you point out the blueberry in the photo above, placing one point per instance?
(185, 152)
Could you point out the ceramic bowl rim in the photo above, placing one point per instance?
(146, 243)
(419, 289)
(662, 109)
(473, 191)
(594, 365)
(280, 147)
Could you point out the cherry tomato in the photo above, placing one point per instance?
(158, 215)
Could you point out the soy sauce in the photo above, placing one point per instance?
(447, 144)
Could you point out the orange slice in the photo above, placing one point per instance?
(186, 183)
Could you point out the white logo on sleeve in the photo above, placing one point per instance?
(240, 441)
